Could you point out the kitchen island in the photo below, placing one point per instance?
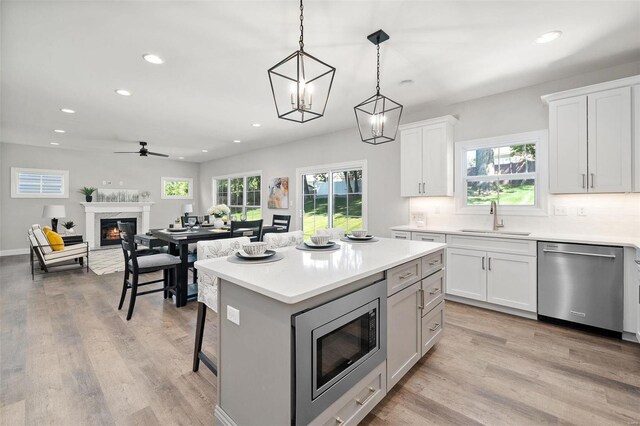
(305, 339)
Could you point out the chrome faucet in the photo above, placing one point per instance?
(494, 212)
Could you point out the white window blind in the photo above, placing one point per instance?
(37, 183)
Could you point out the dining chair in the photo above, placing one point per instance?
(208, 291)
(283, 239)
(136, 265)
(333, 233)
(282, 221)
(247, 228)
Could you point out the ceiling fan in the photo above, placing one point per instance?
(144, 152)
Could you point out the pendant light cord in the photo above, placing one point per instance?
(301, 42)
(378, 71)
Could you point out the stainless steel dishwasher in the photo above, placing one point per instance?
(581, 283)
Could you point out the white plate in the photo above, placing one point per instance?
(176, 229)
(244, 254)
(353, 237)
(314, 245)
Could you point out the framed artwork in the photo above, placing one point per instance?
(279, 193)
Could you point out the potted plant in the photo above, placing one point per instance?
(69, 226)
(145, 195)
(88, 192)
(218, 212)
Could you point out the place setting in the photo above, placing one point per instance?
(256, 253)
(359, 236)
(319, 243)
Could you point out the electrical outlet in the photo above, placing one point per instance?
(233, 315)
(560, 211)
(437, 210)
(582, 211)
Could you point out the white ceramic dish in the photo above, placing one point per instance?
(320, 240)
(313, 245)
(176, 229)
(244, 255)
(359, 233)
(366, 237)
(253, 249)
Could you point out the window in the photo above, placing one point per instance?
(333, 197)
(39, 183)
(242, 193)
(176, 188)
(503, 169)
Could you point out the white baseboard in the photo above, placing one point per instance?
(13, 252)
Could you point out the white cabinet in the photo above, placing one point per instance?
(590, 142)
(466, 273)
(401, 235)
(635, 93)
(426, 158)
(403, 342)
(511, 281)
(429, 237)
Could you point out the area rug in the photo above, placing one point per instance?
(106, 261)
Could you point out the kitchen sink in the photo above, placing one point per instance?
(485, 231)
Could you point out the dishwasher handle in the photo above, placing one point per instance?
(608, 256)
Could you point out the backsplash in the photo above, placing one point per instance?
(605, 214)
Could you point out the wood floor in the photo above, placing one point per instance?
(68, 357)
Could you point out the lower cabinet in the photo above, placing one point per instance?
(432, 324)
(403, 342)
(494, 277)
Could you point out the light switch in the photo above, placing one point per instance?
(582, 211)
(233, 315)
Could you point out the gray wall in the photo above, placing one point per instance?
(85, 169)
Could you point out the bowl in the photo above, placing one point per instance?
(253, 249)
(359, 233)
(320, 240)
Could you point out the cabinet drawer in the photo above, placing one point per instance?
(504, 245)
(357, 402)
(432, 263)
(433, 288)
(432, 325)
(403, 276)
(401, 235)
(426, 236)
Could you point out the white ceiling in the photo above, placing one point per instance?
(214, 83)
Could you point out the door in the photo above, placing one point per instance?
(404, 335)
(434, 160)
(568, 145)
(411, 162)
(511, 281)
(466, 274)
(610, 140)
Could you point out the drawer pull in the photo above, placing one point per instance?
(435, 262)
(435, 291)
(339, 421)
(421, 291)
(405, 276)
(372, 391)
(435, 327)
(427, 239)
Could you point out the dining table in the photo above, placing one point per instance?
(179, 246)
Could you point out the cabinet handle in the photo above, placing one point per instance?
(584, 185)
(435, 327)
(435, 262)
(426, 239)
(424, 190)
(483, 263)
(405, 276)
(593, 177)
(489, 263)
(339, 421)
(372, 391)
(435, 291)
(421, 291)
(419, 191)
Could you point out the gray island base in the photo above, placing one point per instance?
(320, 338)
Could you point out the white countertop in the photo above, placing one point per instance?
(303, 274)
(535, 236)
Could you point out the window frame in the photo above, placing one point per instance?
(164, 196)
(15, 171)
(244, 176)
(330, 169)
(537, 137)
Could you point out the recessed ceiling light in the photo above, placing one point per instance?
(123, 92)
(68, 110)
(153, 59)
(406, 82)
(180, 158)
(60, 131)
(204, 150)
(256, 124)
(237, 141)
(54, 143)
(547, 37)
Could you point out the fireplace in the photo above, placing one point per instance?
(109, 230)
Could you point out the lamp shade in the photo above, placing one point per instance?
(53, 211)
(187, 208)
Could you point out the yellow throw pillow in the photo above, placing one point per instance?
(46, 229)
(55, 240)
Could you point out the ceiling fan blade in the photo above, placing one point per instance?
(156, 154)
(127, 152)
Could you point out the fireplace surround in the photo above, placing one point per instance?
(109, 234)
(96, 211)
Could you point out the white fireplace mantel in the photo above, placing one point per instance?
(90, 210)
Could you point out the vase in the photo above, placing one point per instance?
(70, 231)
(88, 198)
(218, 222)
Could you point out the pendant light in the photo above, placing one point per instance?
(301, 83)
(378, 117)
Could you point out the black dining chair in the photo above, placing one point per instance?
(247, 228)
(282, 221)
(136, 265)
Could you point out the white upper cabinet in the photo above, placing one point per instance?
(426, 157)
(590, 139)
(635, 93)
